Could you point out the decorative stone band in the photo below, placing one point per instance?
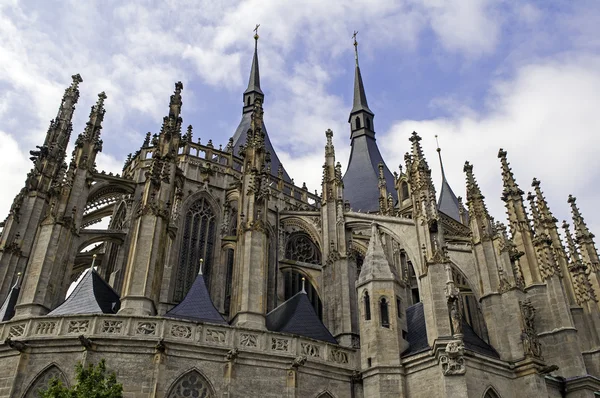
(182, 332)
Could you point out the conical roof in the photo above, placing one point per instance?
(196, 305)
(7, 311)
(297, 316)
(92, 295)
(254, 81)
(360, 98)
(448, 202)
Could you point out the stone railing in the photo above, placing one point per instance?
(179, 331)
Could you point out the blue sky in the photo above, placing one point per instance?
(481, 74)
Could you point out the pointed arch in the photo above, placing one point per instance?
(325, 394)
(191, 384)
(198, 241)
(491, 393)
(42, 380)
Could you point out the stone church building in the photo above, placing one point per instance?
(218, 276)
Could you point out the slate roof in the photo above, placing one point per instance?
(297, 316)
(417, 335)
(448, 202)
(360, 98)
(240, 136)
(7, 311)
(196, 305)
(361, 180)
(92, 295)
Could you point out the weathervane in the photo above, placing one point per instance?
(355, 46)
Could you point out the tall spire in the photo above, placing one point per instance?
(253, 89)
(439, 151)
(361, 181)
(360, 98)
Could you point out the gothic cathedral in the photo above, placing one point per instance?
(218, 276)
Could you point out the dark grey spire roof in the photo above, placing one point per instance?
(360, 98)
(448, 202)
(197, 305)
(254, 82)
(240, 136)
(92, 295)
(361, 180)
(297, 316)
(417, 334)
(7, 311)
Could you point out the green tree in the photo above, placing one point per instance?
(92, 382)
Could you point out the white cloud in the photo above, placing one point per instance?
(546, 118)
(12, 162)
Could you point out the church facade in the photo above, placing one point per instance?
(218, 276)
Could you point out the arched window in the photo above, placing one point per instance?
(325, 394)
(248, 102)
(300, 247)
(228, 280)
(404, 186)
(369, 123)
(42, 381)
(384, 313)
(293, 284)
(490, 393)
(191, 384)
(367, 300)
(357, 122)
(197, 243)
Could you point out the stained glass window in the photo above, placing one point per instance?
(197, 243)
(192, 384)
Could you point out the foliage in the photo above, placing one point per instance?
(92, 382)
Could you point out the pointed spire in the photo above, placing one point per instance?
(254, 81)
(510, 185)
(360, 98)
(543, 208)
(375, 264)
(477, 207)
(70, 98)
(582, 233)
(582, 287)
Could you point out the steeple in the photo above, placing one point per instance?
(361, 117)
(253, 91)
(448, 202)
(361, 181)
(250, 96)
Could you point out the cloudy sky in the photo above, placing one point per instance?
(481, 74)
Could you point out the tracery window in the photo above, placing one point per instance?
(192, 384)
(197, 243)
(293, 284)
(228, 279)
(300, 247)
(43, 380)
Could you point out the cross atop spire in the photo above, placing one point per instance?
(355, 47)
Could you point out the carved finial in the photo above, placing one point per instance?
(303, 286)
(18, 281)
(201, 266)
(355, 46)
(93, 261)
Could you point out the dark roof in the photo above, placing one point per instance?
(448, 202)
(7, 311)
(240, 136)
(92, 295)
(361, 180)
(197, 305)
(417, 330)
(360, 98)
(254, 81)
(417, 335)
(297, 316)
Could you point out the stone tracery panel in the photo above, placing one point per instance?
(42, 381)
(191, 384)
(300, 247)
